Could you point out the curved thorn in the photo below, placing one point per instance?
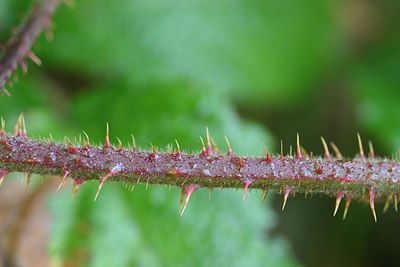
(339, 155)
(299, 155)
(119, 144)
(326, 149)
(101, 182)
(387, 203)
(372, 201)
(264, 195)
(209, 149)
(346, 207)
(87, 146)
(230, 152)
(188, 192)
(178, 147)
(285, 197)
(362, 156)
(246, 185)
(268, 155)
(339, 197)
(65, 174)
(371, 151)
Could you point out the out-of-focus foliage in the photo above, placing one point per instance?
(164, 70)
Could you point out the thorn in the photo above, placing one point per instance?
(51, 138)
(133, 143)
(5, 91)
(387, 203)
(119, 145)
(326, 149)
(346, 207)
(215, 147)
(282, 150)
(3, 174)
(178, 147)
(339, 197)
(372, 201)
(268, 155)
(339, 155)
(371, 151)
(17, 127)
(107, 141)
(78, 183)
(360, 147)
(209, 149)
(395, 202)
(299, 155)
(3, 126)
(188, 192)
(23, 126)
(35, 58)
(209, 192)
(203, 149)
(285, 196)
(246, 185)
(24, 67)
(87, 145)
(65, 174)
(28, 180)
(71, 148)
(101, 182)
(147, 183)
(230, 152)
(264, 195)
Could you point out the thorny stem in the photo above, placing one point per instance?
(18, 48)
(364, 179)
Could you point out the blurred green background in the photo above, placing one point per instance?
(255, 71)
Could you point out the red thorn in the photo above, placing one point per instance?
(107, 141)
(101, 182)
(346, 207)
(119, 145)
(326, 149)
(65, 174)
(209, 149)
(372, 202)
(362, 156)
(3, 174)
(285, 197)
(299, 155)
(282, 157)
(71, 148)
(87, 146)
(339, 197)
(188, 190)
(268, 158)
(319, 169)
(230, 152)
(78, 183)
(371, 151)
(203, 149)
(246, 185)
(264, 195)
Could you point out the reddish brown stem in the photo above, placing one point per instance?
(354, 178)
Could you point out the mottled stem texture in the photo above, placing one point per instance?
(19, 47)
(363, 178)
